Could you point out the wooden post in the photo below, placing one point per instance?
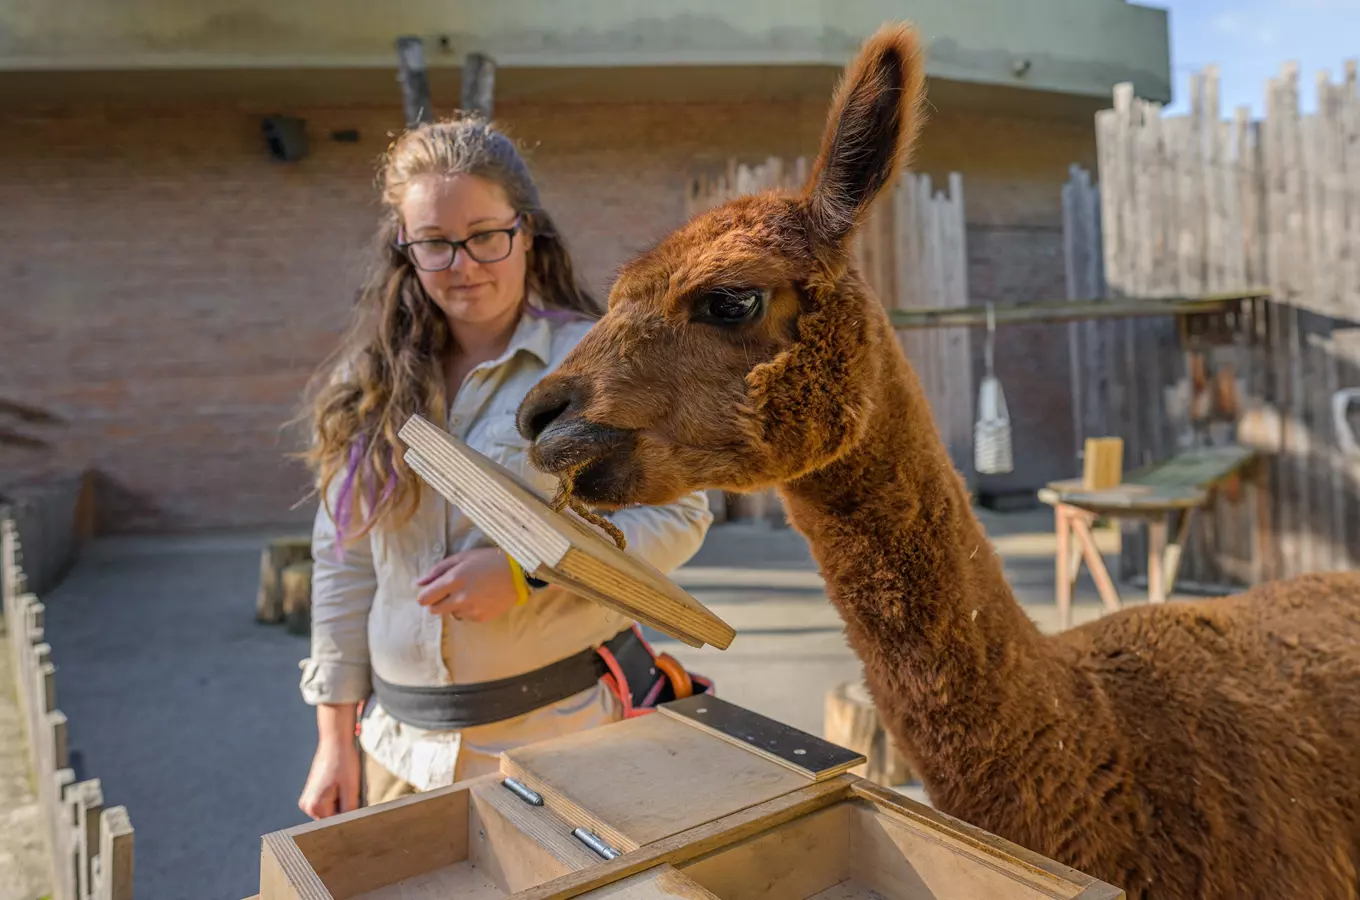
(277, 556)
(113, 879)
(1064, 570)
(297, 597)
(1156, 558)
(87, 799)
(852, 722)
(415, 81)
(479, 84)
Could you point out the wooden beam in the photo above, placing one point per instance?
(479, 85)
(415, 81)
(1067, 311)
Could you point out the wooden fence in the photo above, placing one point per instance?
(1198, 204)
(90, 845)
(912, 251)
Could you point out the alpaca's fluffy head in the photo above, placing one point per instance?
(738, 352)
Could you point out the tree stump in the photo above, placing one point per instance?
(274, 558)
(852, 722)
(297, 597)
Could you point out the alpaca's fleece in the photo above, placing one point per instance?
(1203, 750)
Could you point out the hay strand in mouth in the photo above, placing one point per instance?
(563, 498)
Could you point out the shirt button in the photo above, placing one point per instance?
(439, 548)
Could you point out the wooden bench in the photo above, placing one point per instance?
(1176, 488)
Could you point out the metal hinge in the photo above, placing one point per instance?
(533, 798)
(594, 843)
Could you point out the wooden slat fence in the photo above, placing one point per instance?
(1197, 204)
(912, 251)
(90, 845)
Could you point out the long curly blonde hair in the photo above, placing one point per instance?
(389, 364)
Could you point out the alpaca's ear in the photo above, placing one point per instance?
(874, 119)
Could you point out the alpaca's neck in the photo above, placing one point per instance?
(952, 661)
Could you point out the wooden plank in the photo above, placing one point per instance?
(1022, 866)
(553, 546)
(662, 882)
(609, 777)
(801, 858)
(1109, 596)
(364, 849)
(518, 845)
(1065, 573)
(1060, 311)
(87, 801)
(116, 858)
(698, 841)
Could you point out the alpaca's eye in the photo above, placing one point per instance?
(730, 306)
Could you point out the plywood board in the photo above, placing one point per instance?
(644, 779)
(558, 547)
(660, 883)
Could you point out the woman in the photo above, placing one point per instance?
(474, 301)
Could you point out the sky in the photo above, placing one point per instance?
(1250, 39)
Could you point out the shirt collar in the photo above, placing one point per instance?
(533, 334)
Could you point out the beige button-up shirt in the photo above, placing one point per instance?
(365, 617)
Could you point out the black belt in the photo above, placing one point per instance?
(455, 706)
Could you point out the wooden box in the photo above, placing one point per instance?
(699, 800)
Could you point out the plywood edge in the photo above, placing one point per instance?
(565, 807)
(429, 801)
(375, 846)
(285, 873)
(542, 825)
(507, 510)
(697, 841)
(643, 594)
(558, 547)
(1043, 872)
(661, 882)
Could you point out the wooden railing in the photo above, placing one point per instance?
(90, 845)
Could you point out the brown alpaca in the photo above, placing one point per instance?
(1205, 750)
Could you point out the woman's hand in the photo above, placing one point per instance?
(475, 585)
(333, 783)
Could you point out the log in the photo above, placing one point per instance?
(297, 597)
(852, 722)
(274, 558)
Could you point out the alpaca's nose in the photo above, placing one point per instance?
(549, 401)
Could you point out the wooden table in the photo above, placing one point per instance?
(1175, 488)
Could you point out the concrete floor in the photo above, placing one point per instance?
(188, 710)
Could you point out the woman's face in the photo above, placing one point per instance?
(456, 208)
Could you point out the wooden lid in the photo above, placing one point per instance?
(557, 547)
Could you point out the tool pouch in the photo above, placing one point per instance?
(642, 679)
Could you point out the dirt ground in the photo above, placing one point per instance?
(188, 710)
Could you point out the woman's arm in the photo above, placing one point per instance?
(335, 678)
(666, 536)
(343, 585)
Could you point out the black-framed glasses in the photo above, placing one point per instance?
(437, 254)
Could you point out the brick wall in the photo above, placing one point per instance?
(168, 287)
